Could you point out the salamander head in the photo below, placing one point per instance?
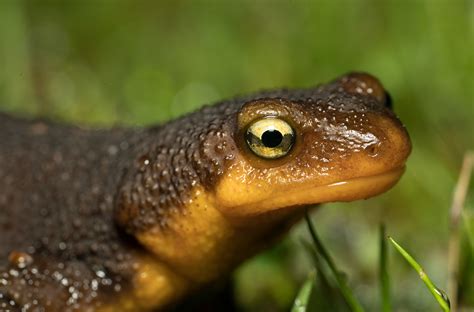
(341, 143)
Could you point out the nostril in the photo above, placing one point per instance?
(388, 100)
(373, 150)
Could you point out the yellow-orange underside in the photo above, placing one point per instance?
(202, 243)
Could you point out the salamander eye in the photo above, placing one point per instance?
(270, 138)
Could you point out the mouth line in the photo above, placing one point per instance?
(356, 188)
(389, 173)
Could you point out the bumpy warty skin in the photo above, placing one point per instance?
(58, 186)
(72, 198)
(196, 149)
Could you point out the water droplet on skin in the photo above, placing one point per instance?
(94, 285)
(62, 246)
(100, 274)
(143, 162)
(13, 273)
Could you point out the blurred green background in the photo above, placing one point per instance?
(137, 62)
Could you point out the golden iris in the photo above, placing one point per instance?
(270, 138)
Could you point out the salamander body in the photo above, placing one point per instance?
(129, 219)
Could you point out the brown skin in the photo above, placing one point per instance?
(136, 219)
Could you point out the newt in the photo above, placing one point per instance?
(135, 219)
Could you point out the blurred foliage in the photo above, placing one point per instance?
(141, 62)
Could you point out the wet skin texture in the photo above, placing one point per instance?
(136, 219)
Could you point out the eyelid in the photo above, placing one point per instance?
(270, 123)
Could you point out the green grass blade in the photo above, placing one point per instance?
(321, 272)
(468, 220)
(302, 299)
(326, 296)
(346, 292)
(384, 276)
(439, 295)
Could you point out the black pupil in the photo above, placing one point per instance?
(272, 138)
